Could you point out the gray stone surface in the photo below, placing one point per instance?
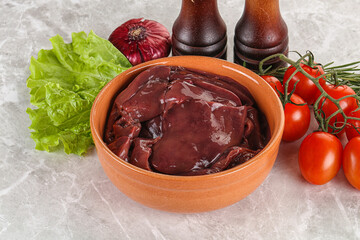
(58, 196)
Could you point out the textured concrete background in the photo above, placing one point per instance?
(58, 196)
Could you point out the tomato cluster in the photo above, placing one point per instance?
(321, 154)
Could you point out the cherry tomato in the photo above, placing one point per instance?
(352, 129)
(351, 162)
(297, 119)
(320, 157)
(305, 88)
(328, 107)
(274, 82)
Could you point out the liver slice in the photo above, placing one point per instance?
(185, 122)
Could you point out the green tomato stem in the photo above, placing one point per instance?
(324, 122)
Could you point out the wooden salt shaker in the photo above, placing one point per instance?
(260, 32)
(199, 30)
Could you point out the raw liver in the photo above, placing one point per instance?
(181, 121)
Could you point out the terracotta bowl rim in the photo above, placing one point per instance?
(276, 135)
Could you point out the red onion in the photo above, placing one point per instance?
(141, 40)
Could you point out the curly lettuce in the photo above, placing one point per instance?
(64, 82)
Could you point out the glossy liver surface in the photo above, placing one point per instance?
(181, 121)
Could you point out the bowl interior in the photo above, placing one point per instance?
(264, 95)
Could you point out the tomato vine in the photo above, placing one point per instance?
(339, 75)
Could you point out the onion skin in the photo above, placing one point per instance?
(141, 40)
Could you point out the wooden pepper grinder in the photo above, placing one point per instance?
(259, 33)
(199, 30)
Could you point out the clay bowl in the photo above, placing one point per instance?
(190, 193)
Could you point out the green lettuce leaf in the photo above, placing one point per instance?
(64, 82)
